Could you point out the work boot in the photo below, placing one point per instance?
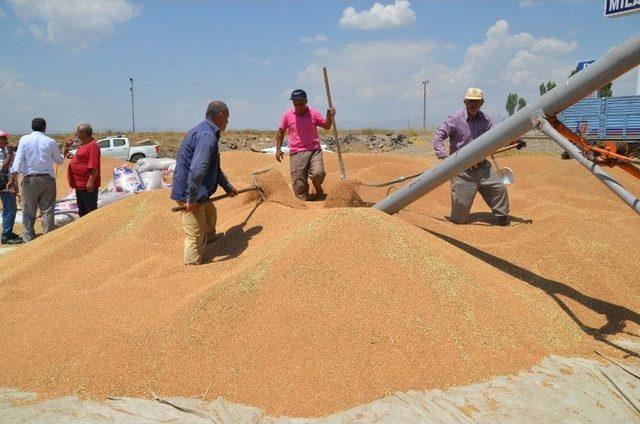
(12, 240)
(503, 221)
(318, 196)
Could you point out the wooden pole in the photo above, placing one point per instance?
(343, 174)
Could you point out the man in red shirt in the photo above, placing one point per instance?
(305, 152)
(84, 170)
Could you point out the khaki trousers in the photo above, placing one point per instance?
(306, 165)
(199, 226)
(465, 186)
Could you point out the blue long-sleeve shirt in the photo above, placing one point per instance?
(198, 174)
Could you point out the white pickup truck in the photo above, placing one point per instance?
(120, 148)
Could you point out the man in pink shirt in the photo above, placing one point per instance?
(305, 153)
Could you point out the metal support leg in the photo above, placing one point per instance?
(606, 179)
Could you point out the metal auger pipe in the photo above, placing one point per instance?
(599, 173)
(609, 67)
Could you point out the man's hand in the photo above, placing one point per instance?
(89, 186)
(11, 150)
(190, 207)
(233, 192)
(67, 147)
(12, 184)
(279, 155)
(331, 112)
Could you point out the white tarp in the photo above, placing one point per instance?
(557, 390)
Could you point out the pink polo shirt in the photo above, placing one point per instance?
(303, 134)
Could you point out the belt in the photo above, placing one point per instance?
(37, 175)
(477, 165)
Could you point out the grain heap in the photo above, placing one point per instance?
(312, 310)
(344, 194)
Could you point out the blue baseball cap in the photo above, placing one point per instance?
(298, 94)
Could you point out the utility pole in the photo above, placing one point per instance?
(424, 105)
(133, 113)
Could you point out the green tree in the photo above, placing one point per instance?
(521, 103)
(605, 91)
(513, 102)
(546, 88)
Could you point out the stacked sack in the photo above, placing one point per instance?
(66, 209)
(148, 174)
(156, 173)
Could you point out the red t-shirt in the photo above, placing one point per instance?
(87, 157)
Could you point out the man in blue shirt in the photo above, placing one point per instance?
(196, 177)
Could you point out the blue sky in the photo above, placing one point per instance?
(70, 60)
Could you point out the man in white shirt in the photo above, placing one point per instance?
(34, 159)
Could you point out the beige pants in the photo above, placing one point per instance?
(199, 226)
(306, 165)
(465, 186)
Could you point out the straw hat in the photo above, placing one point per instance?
(474, 93)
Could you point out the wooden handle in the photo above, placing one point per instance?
(504, 149)
(343, 174)
(216, 198)
(495, 162)
(326, 86)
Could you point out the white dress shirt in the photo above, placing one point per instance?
(36, 154)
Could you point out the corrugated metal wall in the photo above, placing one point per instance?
(608, 117)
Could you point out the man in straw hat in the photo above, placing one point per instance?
(462, 128)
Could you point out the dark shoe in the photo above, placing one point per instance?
(318, 197)
(503, 221)
(14, 236)
(12, 241)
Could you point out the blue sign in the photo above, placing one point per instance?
(584, 64)
(615, 8)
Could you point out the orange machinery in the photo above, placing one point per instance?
(625, 156)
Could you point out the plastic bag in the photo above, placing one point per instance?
(154, 164)
(109, 187)
(152, 180)
(61, 219)
(126, 180)
(106, 198)
(67, 204)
